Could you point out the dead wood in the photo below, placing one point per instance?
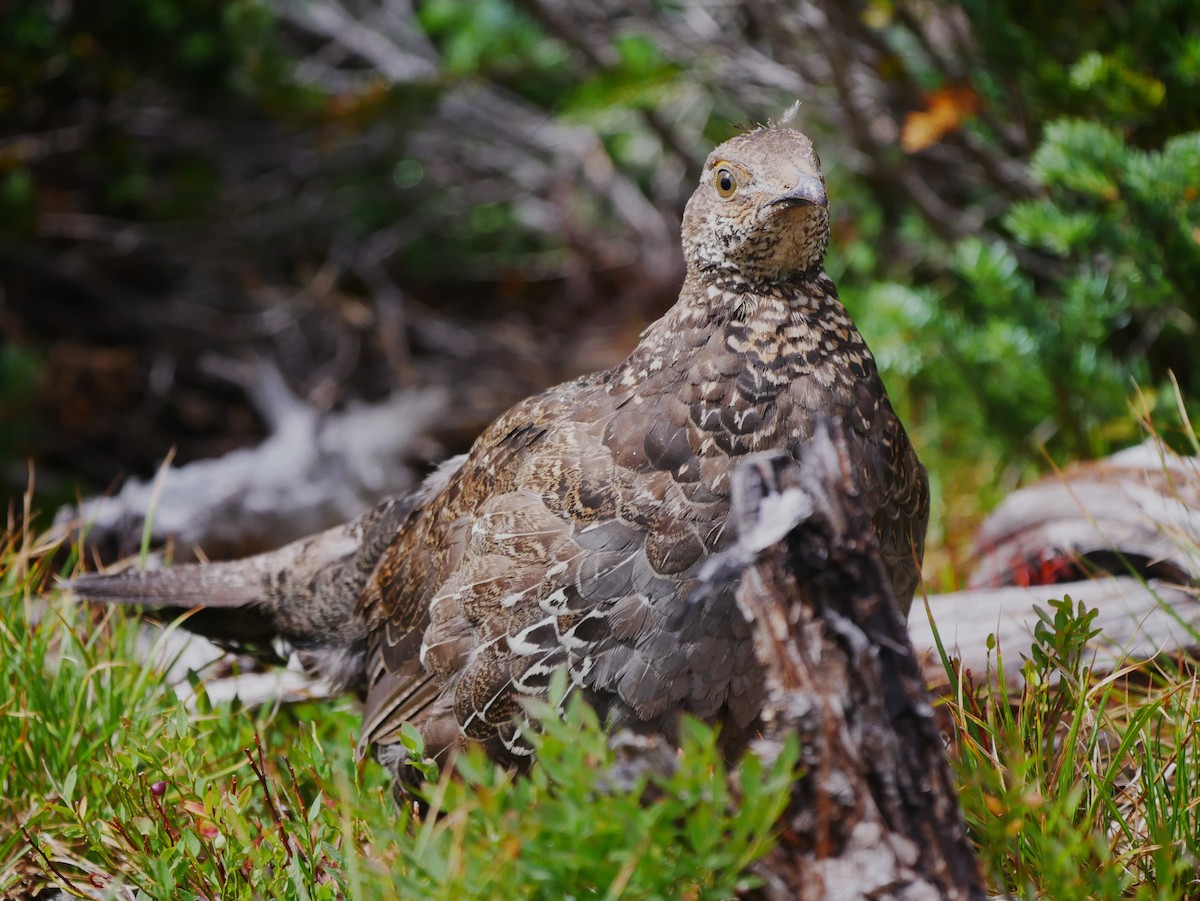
(315, 470)
(874, 812)
(1138, 620)
(1135, 512)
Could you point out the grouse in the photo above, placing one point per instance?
(570, 536)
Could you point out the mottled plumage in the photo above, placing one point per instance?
(572, 532)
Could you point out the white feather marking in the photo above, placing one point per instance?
(555, 602)
(520, 643)
(584, 667)
(522, 685)
(568, 639)
(516, 744)
(510, 600)
(444, 597)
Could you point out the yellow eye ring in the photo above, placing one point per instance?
(725, 182)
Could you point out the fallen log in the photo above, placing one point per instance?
(1135, 512)
(1138, 620)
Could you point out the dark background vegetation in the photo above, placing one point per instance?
(376, 195)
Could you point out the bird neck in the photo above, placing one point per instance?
(798, 321)
(717, 298)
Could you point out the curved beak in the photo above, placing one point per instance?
(808, 192)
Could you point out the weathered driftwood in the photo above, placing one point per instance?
(1138, 620)
(315, 470)
(1135, 511)
(1135, 515)
(874, 812)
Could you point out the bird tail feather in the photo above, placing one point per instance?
(186, 585)
(306, 592)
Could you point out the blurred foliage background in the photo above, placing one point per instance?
(375, 195)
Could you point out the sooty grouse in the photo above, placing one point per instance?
(571, 534)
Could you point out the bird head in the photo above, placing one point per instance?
(760, 212)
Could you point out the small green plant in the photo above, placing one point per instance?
(566, 829)
(1060, 640)
(111, 779)
(1083, 787)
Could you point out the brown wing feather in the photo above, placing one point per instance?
(579, 520)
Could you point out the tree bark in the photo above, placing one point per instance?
(874, 812)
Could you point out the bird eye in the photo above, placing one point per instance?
(726, 182)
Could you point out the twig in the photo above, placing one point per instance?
(260, 771)
(67, 881)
